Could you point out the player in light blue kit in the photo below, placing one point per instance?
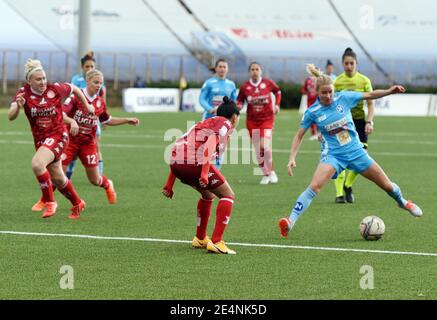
(341, 146)
(213, 91)
(88, 62)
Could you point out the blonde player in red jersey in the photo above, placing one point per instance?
(84, 144)
(42, 104)
(191, 163)
(257, 93)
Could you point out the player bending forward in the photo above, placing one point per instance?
(190, 163)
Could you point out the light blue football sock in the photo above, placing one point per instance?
(397, 195)
(302, 203)
(100, 167)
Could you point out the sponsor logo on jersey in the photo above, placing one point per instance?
(50, 94)
(46, 112)
(85, 118)
(337, 126)
(43, 101)
(322, 118)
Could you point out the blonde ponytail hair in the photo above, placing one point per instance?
(321, 78)
(31, 67)
(92, 73)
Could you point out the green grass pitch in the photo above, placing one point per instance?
(126, 269)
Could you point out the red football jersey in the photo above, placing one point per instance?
(87, 122)
(259, 99)
(44, 112)
(309, 88)
(189, 148)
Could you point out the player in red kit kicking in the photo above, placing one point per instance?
(42, 104)
(191, 163)
(84, 144)
(309, 88)
(257, 93)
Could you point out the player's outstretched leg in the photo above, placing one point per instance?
(378, 176)
(302, 203)
(408, 205)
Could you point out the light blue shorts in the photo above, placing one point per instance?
(359, 163)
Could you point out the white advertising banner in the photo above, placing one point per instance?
(151, 100)
(190, 101)
(414, 105)
(418, 105)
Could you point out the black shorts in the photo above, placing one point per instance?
(360, 125)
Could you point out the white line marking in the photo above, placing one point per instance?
(142, 146)
(278, 137)
(276, 246)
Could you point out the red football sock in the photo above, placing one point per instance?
(203, 213)
(68, 191)
(104, 182)
(45, 182)
(223, 214)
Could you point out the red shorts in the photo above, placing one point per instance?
(55, 143)
(87, 154)
(190, 174)
(260, 128)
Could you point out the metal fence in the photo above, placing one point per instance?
(122, 69)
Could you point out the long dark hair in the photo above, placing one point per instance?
(89, 56)
(228, 108)
(349, 53)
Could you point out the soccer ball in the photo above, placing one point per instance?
(372, 228)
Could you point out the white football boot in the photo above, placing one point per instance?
(265, 180)
(273, 177)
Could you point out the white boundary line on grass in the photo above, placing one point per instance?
(276, 246)
(142, 146)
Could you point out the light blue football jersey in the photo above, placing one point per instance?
(79, 81)
(336, 125)
(212, 93)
